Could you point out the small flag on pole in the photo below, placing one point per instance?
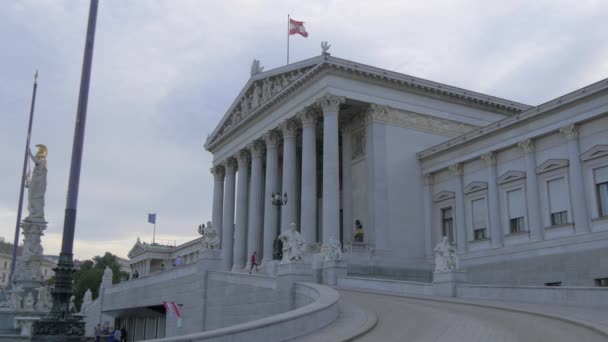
(152, 218)
(173, 309)
(297, 27)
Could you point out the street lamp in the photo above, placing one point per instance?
(278, 202)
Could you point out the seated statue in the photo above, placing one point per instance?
(332, 250)
(293, 244)
(211, 239)
(445, 257)
(359, 233)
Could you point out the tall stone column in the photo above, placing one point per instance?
(240, 228)
(256, 202)
(272, 185)
(218, 198)
(428, 215)
(577, 185)
(461, 230)
(288, 212)
(347, 195)
(330, 105)
(308, 218)
(228, 217)
(532, 201)
(496, 233)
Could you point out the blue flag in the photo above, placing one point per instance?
(152, 218)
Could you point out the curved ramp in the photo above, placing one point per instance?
(409, 319)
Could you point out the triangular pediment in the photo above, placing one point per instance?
(443, 195)
(510, 176)
(475, 186)
(552, 164)
(137, 249)
(596, 151)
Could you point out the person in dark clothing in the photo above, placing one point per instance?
(124, 334)
(254, 262)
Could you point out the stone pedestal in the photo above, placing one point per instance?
(331, 270)
(270, 268)
(291, 272)
(27, 273)
(445, 283)
(25, 324)
(211, 257)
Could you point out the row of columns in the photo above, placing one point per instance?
(579, 201)
(253, 225)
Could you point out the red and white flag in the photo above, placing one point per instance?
(297, 27)
(173, 309)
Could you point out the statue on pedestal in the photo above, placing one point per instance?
(87, 299)
(72, 306)
(211, 239)
(37, 185)
(445, 257)
(293, 244)
(256, 67)
(28, 302)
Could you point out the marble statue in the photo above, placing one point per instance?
(28, 302)
(211, 239)
(293, 244)
(246, 105)
(266, 91)
(87, 299)
(37, 184)
(445, 257)
(255, 97)
(332, 250)
(325, 48)
(16, 299)
(44, 301)
(72, 306)
(256, 67)
(106, 280)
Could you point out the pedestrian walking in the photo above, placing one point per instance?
(254, 262)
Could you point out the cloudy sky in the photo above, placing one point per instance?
(165, 71)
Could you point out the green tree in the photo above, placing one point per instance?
(90, 273)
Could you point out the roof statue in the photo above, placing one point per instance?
(256, 67)
(325, 47)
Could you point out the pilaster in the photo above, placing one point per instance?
(496, 233)
(577, 185)
(461, 231)
(532, 201)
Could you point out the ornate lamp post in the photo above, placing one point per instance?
(278, 202)
(60, 324)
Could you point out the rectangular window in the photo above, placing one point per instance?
(558, 201)
(560, 218)
(447, 223)
(517, 210)
(479, 208)
(601, 184)
(603, 282)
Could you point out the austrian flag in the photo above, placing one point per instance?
(297, 27)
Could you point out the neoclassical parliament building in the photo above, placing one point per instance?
(388, 164)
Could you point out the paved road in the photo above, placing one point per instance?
(405, 319)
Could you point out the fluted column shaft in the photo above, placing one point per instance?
(218, 198)
(331, 182)
(272, 185)
(256, 202)
(228, 217)
(288, 212)
(532, 201)
(577, 186)
(461, 231)
(240, 229)
(496, 233)
(308, 217)
(428, 215)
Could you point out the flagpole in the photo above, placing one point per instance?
(21, 189)
(154, 233)
(288, 39)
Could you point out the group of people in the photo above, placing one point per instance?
(113, 335)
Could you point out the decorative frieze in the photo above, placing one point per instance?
(397, 117)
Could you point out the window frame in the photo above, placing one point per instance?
(504, 188)
(471, 197)
(545, 199)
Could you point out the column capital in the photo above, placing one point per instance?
(428, 179)
(256, 148)
(272, 139)
(308, 116)
(330, 103)
(243, 157)
(218, 172)
(489, 158)
(570, 131)
(230, 165)
(527, 145)
(289, 128)
(456, 169)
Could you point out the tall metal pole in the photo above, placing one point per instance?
(23, 175)
(288, 25)
(60, 317)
